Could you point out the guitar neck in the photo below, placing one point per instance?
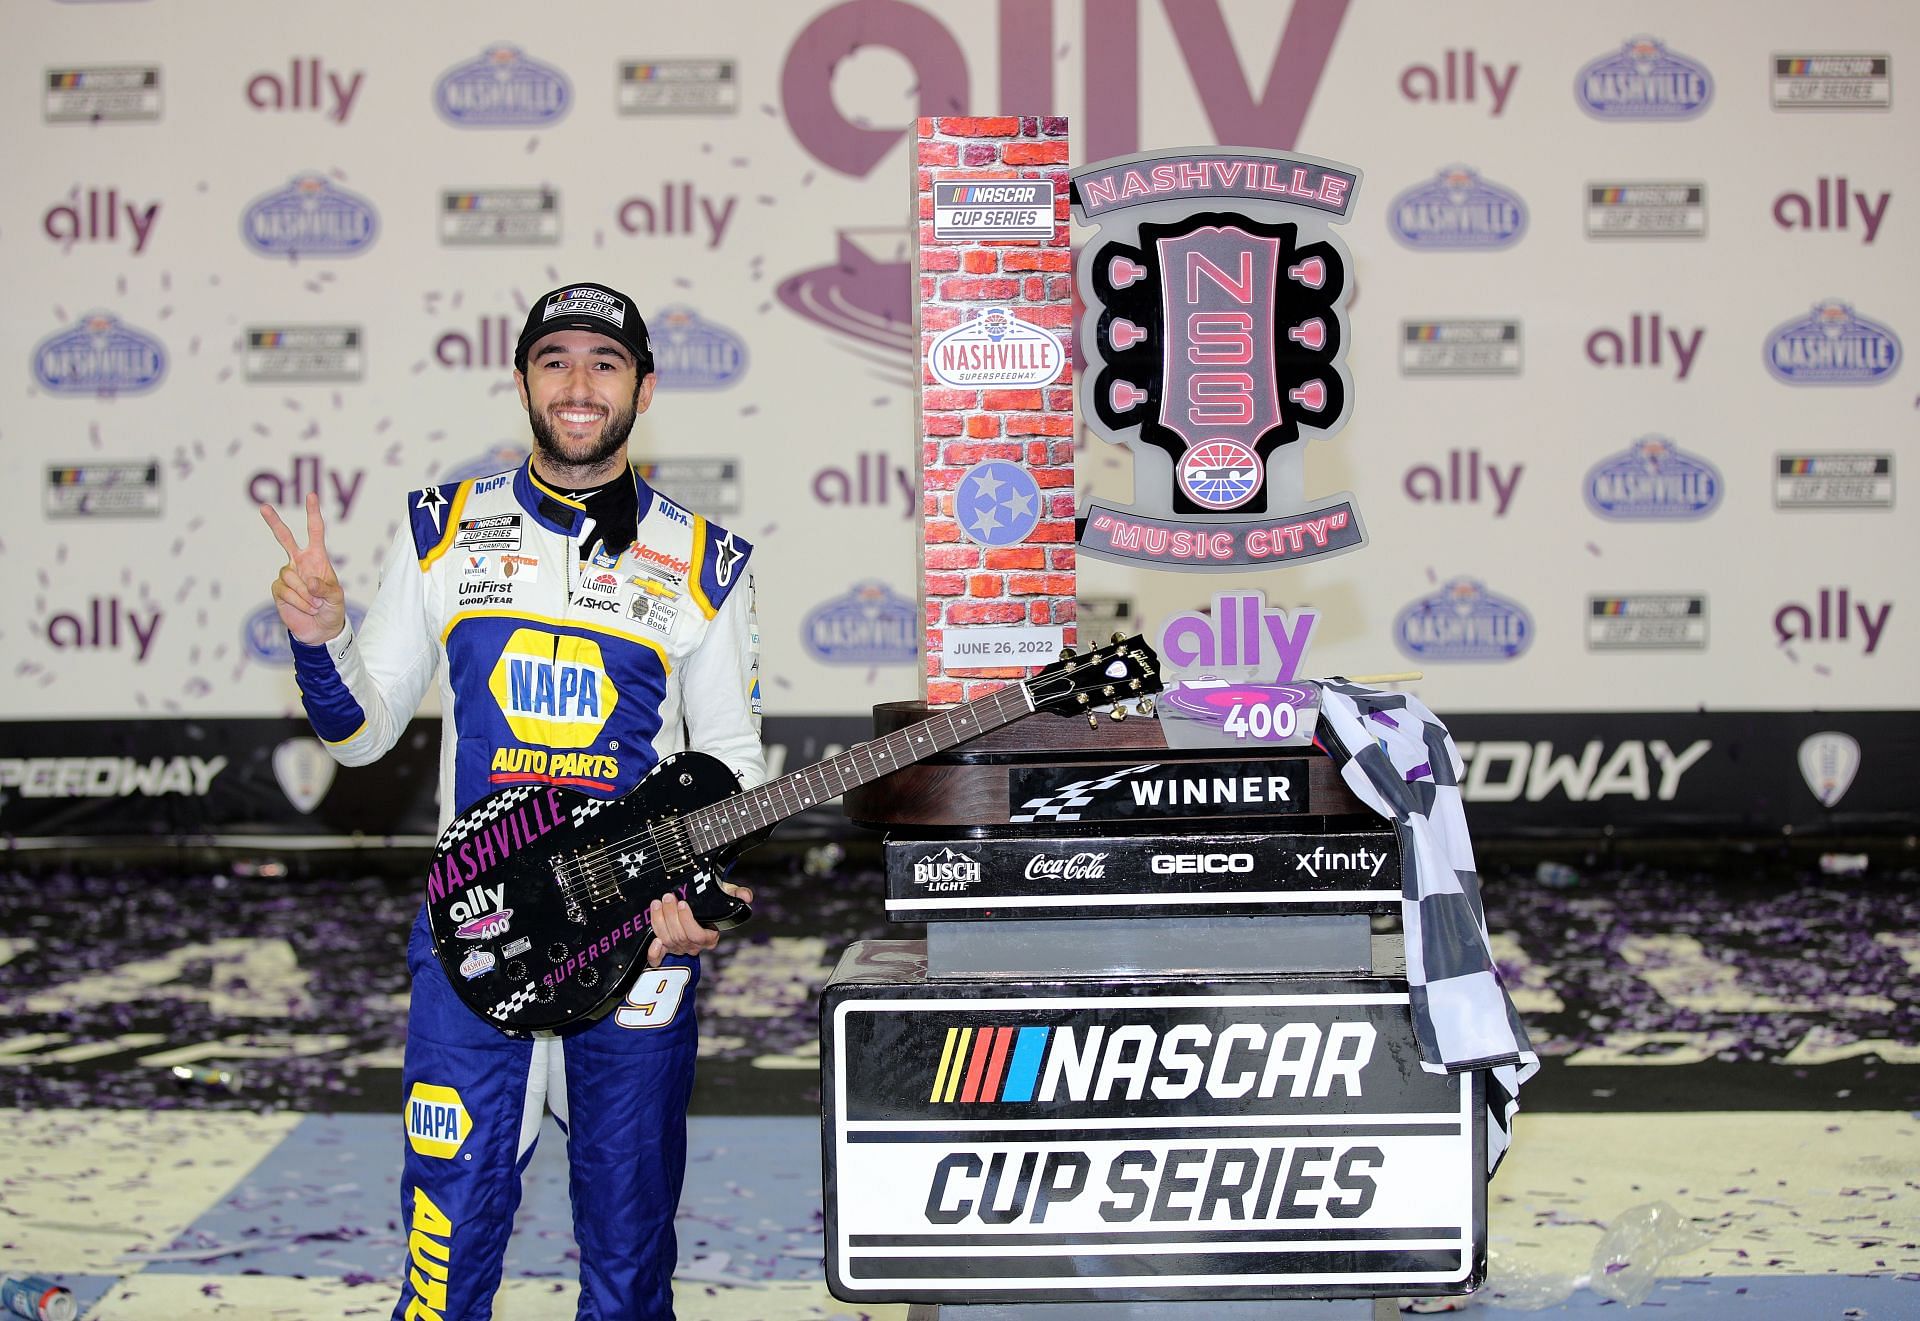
(715, 827)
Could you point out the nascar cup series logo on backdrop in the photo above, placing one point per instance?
(1644, 80)
(97, 355)
(1215, 339)
(310, 217)
(1457, 209)
(1463, 621)
(1833, 346)
(503, 88)
(1653, 479)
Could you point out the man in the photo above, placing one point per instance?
(640, 615)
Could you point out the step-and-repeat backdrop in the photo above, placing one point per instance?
(1631, 411)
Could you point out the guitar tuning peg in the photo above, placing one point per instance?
(1118, 637)
(1093, 721)
(1066, 653)
(1135, 685)
(1119, 713)
(1146, 706)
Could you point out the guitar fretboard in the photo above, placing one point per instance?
(715, 827)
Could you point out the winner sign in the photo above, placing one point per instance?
(1215, 341)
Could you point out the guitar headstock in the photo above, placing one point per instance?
(1124, 670)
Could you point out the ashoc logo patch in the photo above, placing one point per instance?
(554, 691)
(437, 1121)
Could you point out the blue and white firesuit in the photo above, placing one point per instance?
(571, 668)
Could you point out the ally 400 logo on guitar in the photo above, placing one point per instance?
(537, 897)
(1215, 337)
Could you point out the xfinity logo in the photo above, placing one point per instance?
(946, 870)
(1366, 860)
(1197, 864)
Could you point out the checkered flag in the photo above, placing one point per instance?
(1064, 803)
(1400, 761)
(483, 814)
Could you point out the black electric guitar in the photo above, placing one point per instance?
(538, 896)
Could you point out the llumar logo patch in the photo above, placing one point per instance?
(553, 690)
(437, 1121)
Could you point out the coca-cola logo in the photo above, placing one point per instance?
(1078, 867)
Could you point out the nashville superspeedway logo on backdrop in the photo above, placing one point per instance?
(555, 694)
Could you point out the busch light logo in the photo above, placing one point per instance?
(1833, 346)
(1644, 80)
(868, 626)
(498, 459)
(1463, 621)
(1458, 209)
(310, 217)
(97, 355)
(1652, 478)
(503, 88)
(266, 637)
(693, 354)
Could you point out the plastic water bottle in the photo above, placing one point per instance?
(37, 1298)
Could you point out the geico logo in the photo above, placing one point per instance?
(430, 1245)
(553, 690)
(597, 603)
(1191, 864)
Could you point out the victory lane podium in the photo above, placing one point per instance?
(1152, 1058)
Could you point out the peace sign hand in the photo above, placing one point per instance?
(307, 592)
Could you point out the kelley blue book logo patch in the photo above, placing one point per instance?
(1653, 479)
(1832, 346)
(1463, 621)
(1644, 80)
(98, 355)
(1460, 210)
(503, 88)
(310, 217)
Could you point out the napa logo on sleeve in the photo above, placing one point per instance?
(98, 355)
(1460, 210)
(1463, 621)
(692, 353)
(1833, 346)
(437, 1121)
(311, 217)
(553, 689)
(1653, 479)
(1644, 80)
(503, 88)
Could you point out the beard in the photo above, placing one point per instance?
(592, 453)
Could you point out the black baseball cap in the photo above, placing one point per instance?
(595, 307)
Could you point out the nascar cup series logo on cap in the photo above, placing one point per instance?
(691, 353)
(437, 1121)
(1644, 80)
(586, 302)
(503, 88)
(1457, 209)
(1833, 346)
(310, 217)
(97, 356)
(1653, 479)
(1463, 621)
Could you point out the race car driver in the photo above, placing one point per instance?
(582, 626)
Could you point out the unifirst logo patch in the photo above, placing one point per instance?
(437, 1121)
(554, 691)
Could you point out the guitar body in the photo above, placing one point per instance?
(537, 898)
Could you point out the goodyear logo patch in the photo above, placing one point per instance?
(554, 691)
(437, 1121)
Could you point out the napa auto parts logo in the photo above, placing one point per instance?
(1832, 346)
(1458, 210)
(1653, 479)
(503, 88)
(310, 217)
(1215, 338)
(1644, 80)
(97, 355)
(1463, 621)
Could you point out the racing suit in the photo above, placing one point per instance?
(579, 665)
